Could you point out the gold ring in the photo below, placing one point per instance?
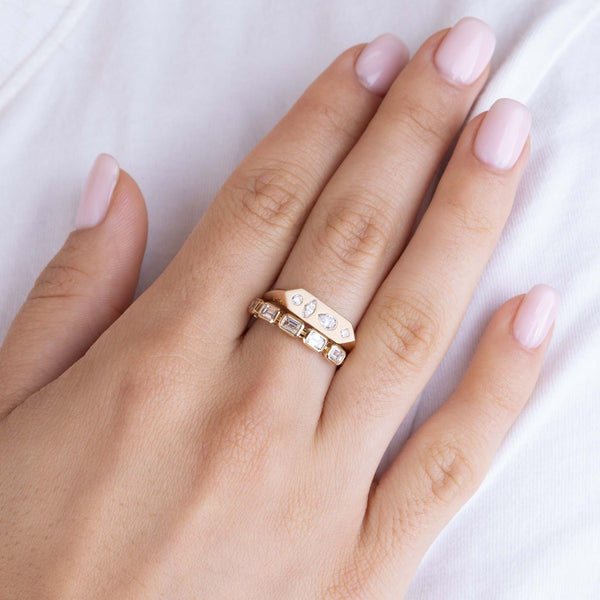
(300, 314)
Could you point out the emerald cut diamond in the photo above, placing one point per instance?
(336, 354)
(315, 340)
(268, 312)
(254, 304)
(291, 324)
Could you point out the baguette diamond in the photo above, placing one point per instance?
(268, 312)
(291, 324)
(254, 304)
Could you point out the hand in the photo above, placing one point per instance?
(162, 449)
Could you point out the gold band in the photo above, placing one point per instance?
(273, 310)
(316, 313)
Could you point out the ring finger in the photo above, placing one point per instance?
(418, 308)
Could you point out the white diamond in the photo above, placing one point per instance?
(268, 312)
(254, 304)
(344, 333)
(336, 354)
(297, 299)
(327, 321)
(291, 324)
(315, 340)
(310, 308)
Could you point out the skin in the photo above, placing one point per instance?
(163, 449)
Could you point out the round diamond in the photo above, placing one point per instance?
(328, 321)
(344, 333)
(297, 299)
(310, 308)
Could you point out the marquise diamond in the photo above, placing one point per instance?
(328, 321)
(310, 308)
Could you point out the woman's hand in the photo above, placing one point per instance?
(167, 451)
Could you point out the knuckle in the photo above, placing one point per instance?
(150, 374)
(58, 280)
(354, 233)
(136, 385)
(62, 276)
(469, 216)
(329, 118)
(244, 440)
(393, 528)
(447, 470)
(270, 199)
(424, 123)
(407, 329)
(301, 514)
(351, 581)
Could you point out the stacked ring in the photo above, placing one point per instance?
(300, 314)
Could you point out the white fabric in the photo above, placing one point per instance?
(180, 91)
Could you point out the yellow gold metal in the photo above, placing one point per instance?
(316, 338)
(315, 313)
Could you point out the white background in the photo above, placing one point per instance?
(180, 91)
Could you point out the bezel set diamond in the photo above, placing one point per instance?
(328, 321)
(291, 324)
(309, 309)
(336, 354)
(315, 340)
(269, 312)
(314, 313)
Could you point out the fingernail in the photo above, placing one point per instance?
(380, 62)
(465, 51)
(535, 316)
(97, 192)
(502, 134)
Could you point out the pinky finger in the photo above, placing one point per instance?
(445, 460)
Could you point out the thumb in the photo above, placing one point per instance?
(84, 288)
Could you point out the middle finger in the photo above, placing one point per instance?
(362, 219)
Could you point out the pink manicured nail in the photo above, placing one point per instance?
(380, 62)
(535, 316)
(502, 134)
(98, 191)
(465, 51)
